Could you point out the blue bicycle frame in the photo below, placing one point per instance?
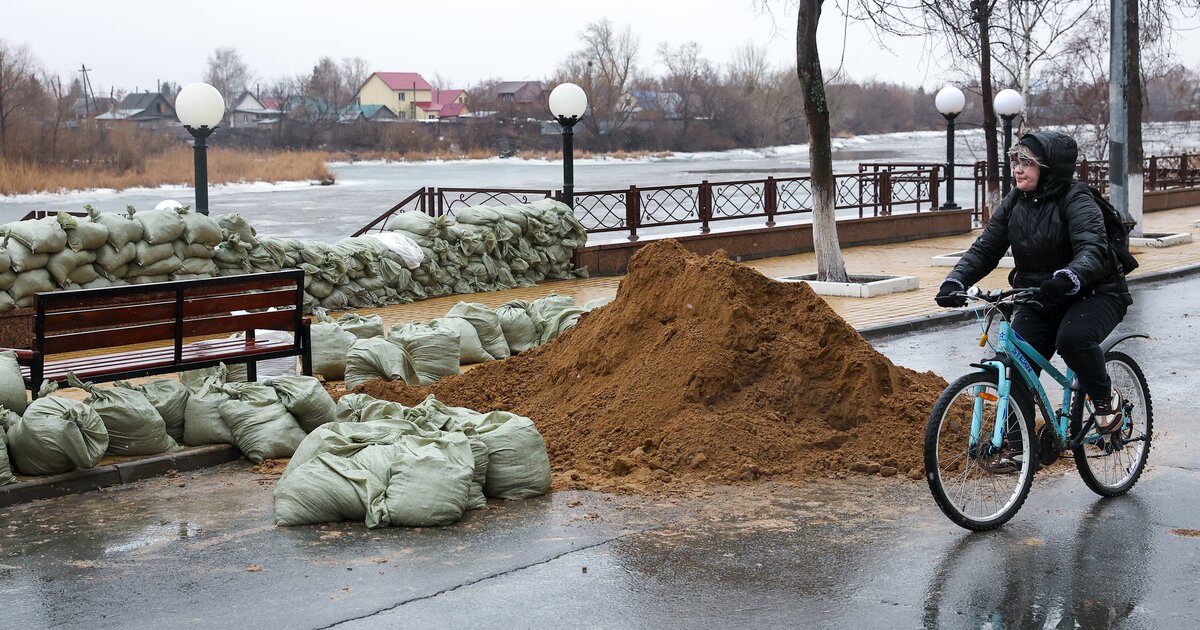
(1012, 345)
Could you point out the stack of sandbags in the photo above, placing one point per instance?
(7, 419)
(419, 466)
(29, 247)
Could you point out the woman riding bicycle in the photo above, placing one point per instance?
(1056, 232)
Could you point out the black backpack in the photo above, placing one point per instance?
(1114, 227)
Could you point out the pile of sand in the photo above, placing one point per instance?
(704, 369)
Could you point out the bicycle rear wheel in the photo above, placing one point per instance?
(1111, 464)
(976, 486)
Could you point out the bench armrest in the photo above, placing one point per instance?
(22, 353)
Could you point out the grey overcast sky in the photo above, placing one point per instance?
(133, 44)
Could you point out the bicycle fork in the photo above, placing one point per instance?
(1003, 387)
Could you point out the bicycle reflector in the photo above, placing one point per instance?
(988, 396)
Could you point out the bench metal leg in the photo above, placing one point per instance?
(252, 371)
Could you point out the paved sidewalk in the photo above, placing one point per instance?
(911, 258)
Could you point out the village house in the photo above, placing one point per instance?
(248, 111)
(147, 110)
(410, 97)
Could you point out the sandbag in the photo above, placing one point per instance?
(378, 358)
(202, 420)
(519, 329)
(428, 483)
(200, 229)
(12, 384)
(433, 347)
(31, 282)
(169, 397)
(342, 439)
(324, 489)
(111, 258)
(62, 264)
(592, 305)
(149, 253)
(366, 408)
(487, 324)
(262, 429)
(360, 326)
(22, 259)
(330, 345)
(83, 274)
(470, 350)
(7, 419)
(306, 399)
(41, 236)
(57, 435)
(158, 226)
(121, 230)
(403, 246)
(518, 467)
(82, 234)
(236, 225)
(134, 426)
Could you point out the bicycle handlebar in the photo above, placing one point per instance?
(995, 296)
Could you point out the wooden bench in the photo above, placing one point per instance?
(135, 320)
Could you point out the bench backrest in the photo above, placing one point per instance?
(85, 319)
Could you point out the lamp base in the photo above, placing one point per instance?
(950, 206)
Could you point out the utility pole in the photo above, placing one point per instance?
(1125, 115)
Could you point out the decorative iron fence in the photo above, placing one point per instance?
(877, 192)
(1159, 172)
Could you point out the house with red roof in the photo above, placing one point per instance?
(411, 97)
(399, 91)
(444, 104)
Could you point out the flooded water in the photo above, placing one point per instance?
(364, 190)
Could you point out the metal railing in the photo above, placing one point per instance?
(877, 191)
(1159, 172)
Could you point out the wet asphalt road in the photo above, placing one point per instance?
(199, 550)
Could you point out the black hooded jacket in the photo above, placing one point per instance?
(1044, 238)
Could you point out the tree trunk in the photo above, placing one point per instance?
(1133, 148)
(983, 14)
(830, 266)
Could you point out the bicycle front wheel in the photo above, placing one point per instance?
(1111, 464)
(976, 485)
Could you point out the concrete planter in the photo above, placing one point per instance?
(1160, 239)
(859, 286)
(951, 259)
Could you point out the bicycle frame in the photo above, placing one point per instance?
(1012, 345)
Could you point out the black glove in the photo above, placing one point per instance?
(945, 295)
(1055, 289)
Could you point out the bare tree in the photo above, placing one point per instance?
(1030, 33)
(964, 29)
(355, 71)
(226, 71)
(749, 69)
(18, 85)
(605, 68)
(62, 102)
(830, 266)
(687, 74)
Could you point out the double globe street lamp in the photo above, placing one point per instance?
(950, 102)
(568, 103)
(1008, 104)
(200, 108)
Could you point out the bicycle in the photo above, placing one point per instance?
(980, 469)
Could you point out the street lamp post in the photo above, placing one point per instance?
(1008, 104)
(949, 102)
(568, 103)
(200, 108)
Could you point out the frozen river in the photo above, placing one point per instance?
(366, 189)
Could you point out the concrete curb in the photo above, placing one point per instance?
(78, 481)
(934, 320)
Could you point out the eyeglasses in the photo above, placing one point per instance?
(1025, 163)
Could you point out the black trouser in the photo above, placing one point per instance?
(1075, 331)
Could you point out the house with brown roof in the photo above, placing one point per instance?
(514, 99)
(150, 110)
(248, 111)
(399, 91)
